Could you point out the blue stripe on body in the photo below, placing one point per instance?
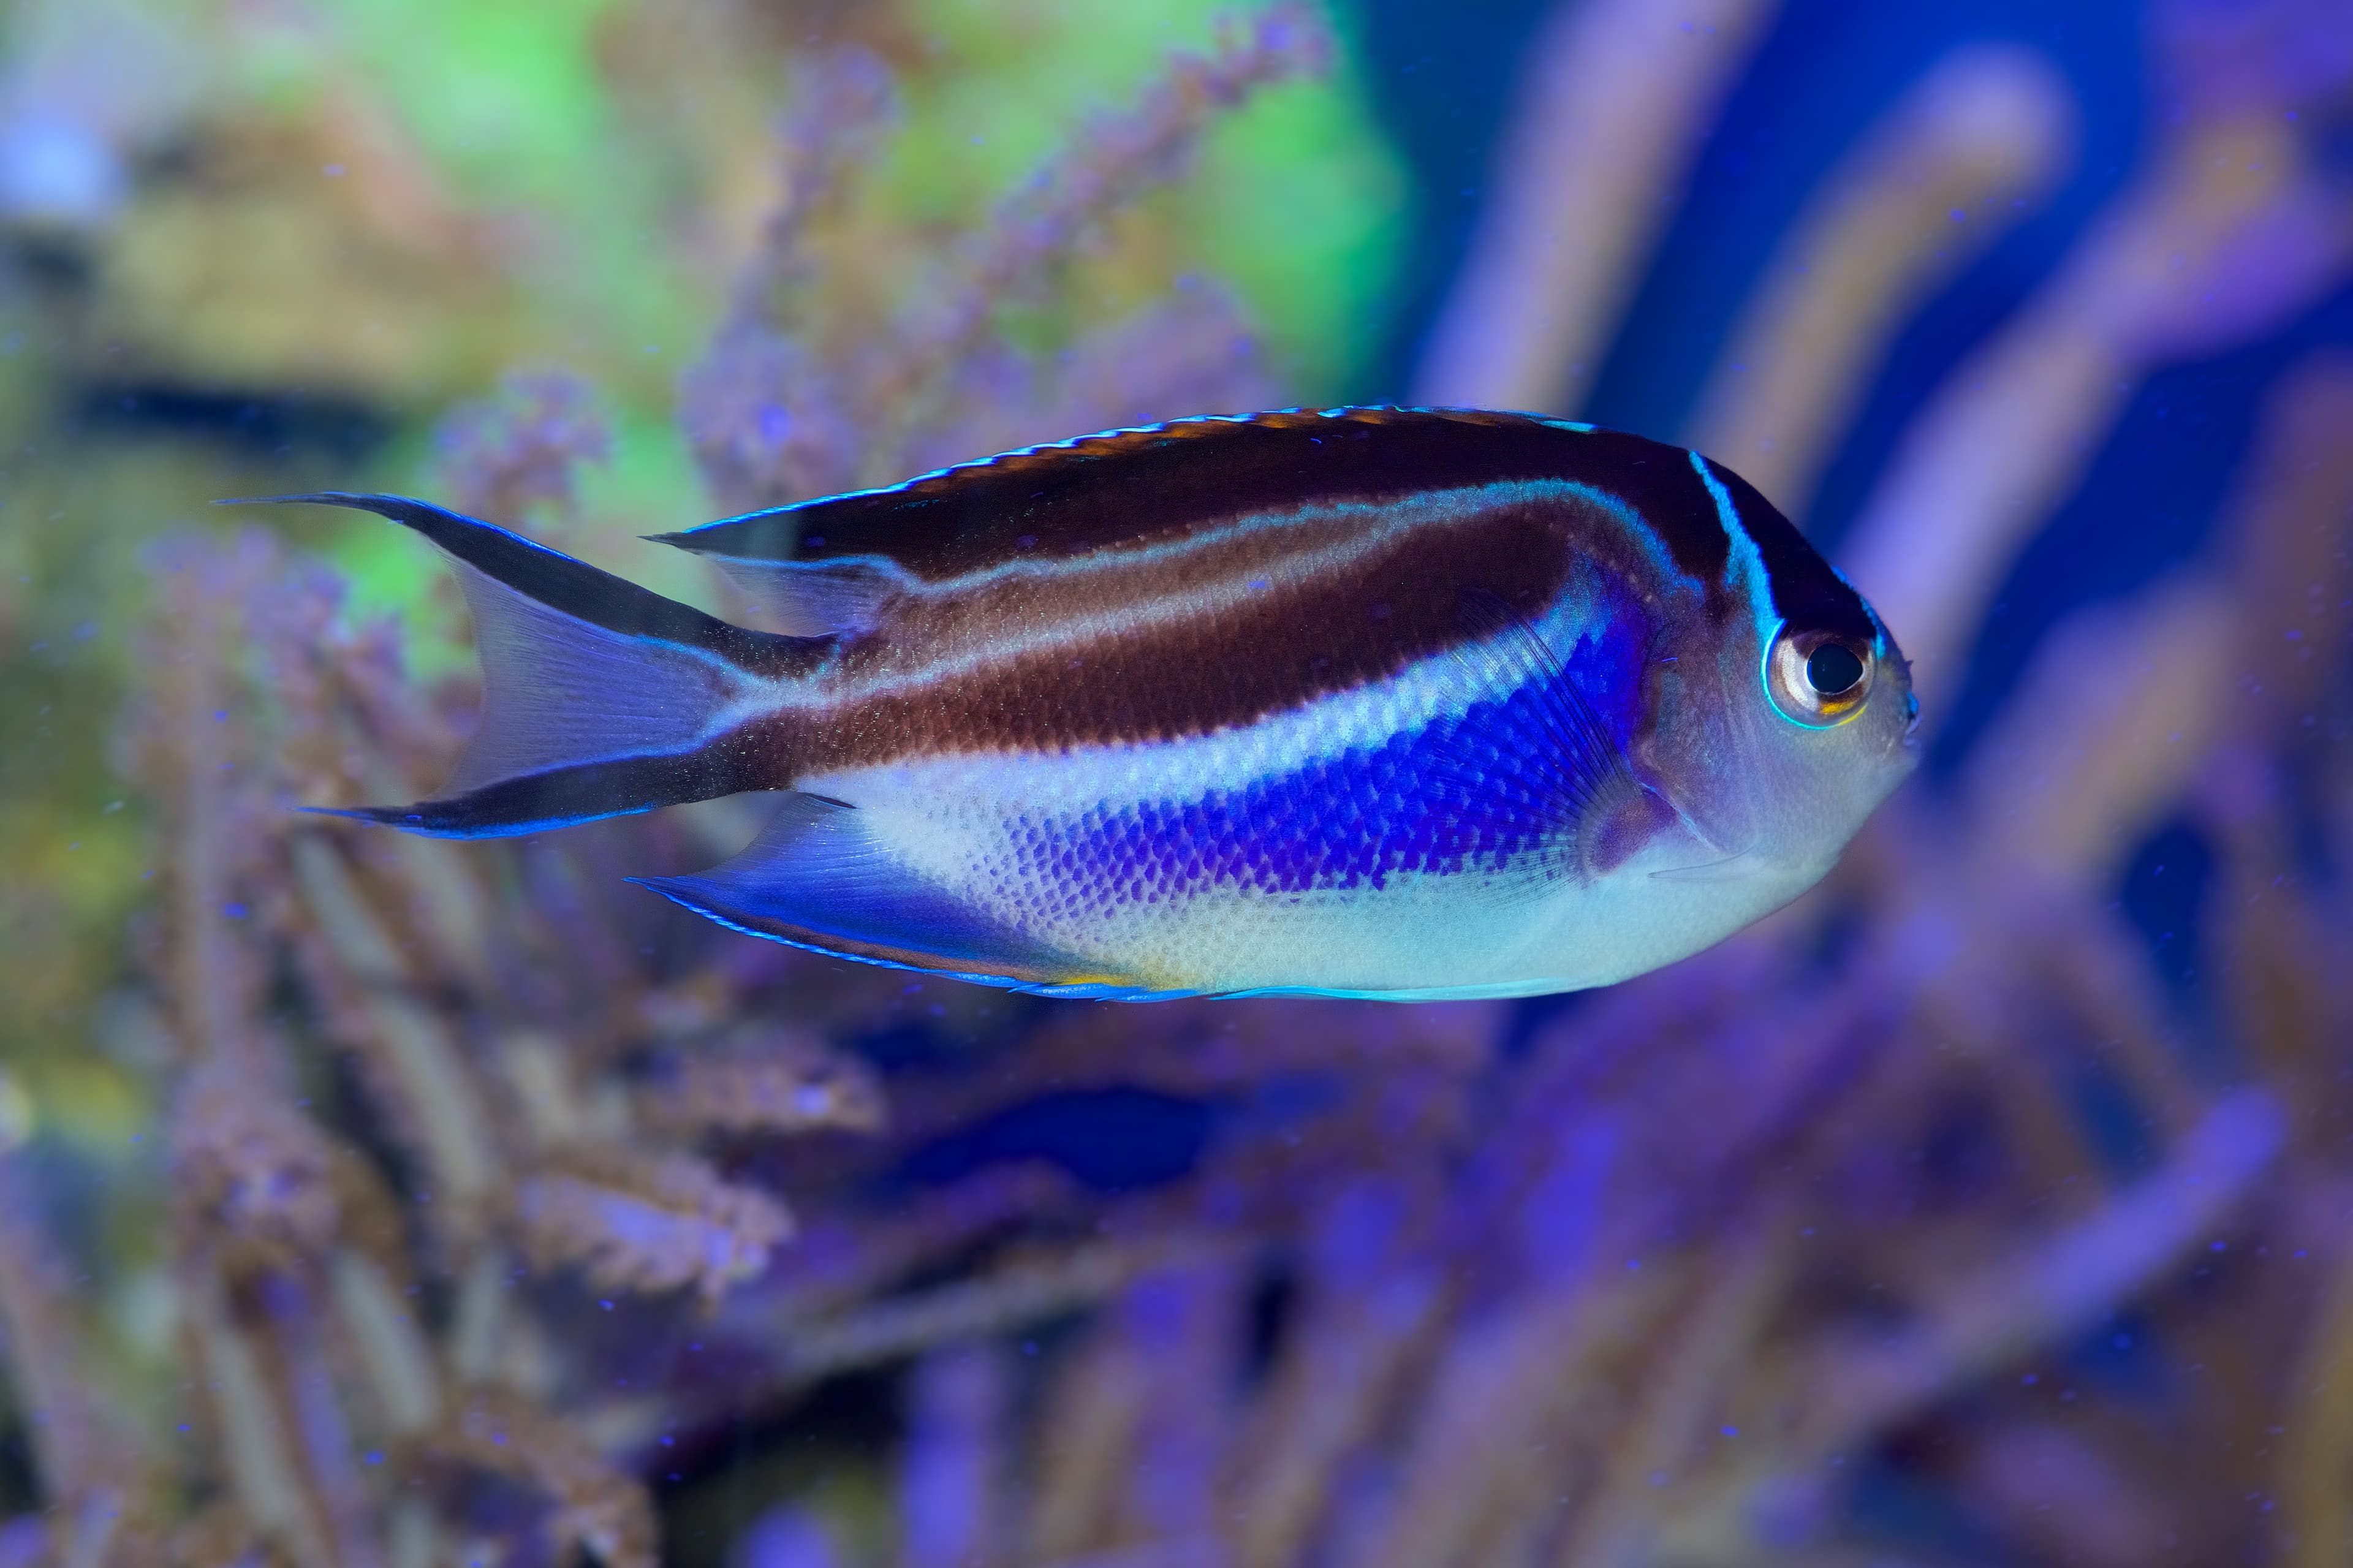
(1479, 792)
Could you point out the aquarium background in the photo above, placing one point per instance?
(374, 1201)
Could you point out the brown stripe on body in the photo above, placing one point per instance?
(1129, 490)
(1109, 663)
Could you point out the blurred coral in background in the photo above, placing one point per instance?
(377, 1200)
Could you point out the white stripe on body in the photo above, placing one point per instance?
(1743, 566)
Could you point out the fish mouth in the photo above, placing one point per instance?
(1909, 741)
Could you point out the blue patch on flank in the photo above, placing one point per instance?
(1483, 790)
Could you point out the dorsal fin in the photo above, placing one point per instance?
(815, 598)
(1126, 488)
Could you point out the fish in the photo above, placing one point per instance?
(1386, 702)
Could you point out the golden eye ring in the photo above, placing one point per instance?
(1817, 680)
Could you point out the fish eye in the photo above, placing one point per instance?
(1818, 679)
(1832, 669)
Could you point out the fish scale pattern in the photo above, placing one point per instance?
(1489, 791)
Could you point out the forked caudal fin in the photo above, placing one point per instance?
(600, 698)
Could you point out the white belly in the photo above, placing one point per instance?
(986, 830)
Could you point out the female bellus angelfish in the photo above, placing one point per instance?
(1387, 702)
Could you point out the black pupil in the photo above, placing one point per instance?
(1832, 668)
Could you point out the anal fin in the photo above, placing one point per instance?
(818, 878)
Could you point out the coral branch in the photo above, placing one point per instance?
(502, 457)
(90, 1474)
(1016, 1294)
(1951, 166)
(785, 1082)
(1033, 236)
(1616, 96)
(2107, 725)
(956, 1468)
(2233, 226)
(655, 1223)
(2319, 1442)
(595, 1506)
(418, 1071)
(2046, 1287)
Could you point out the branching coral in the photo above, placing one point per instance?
(85, 1462)
(1969, 146)
(784, 406)
(501, 458)
(2237, 222)
(1615, 100)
